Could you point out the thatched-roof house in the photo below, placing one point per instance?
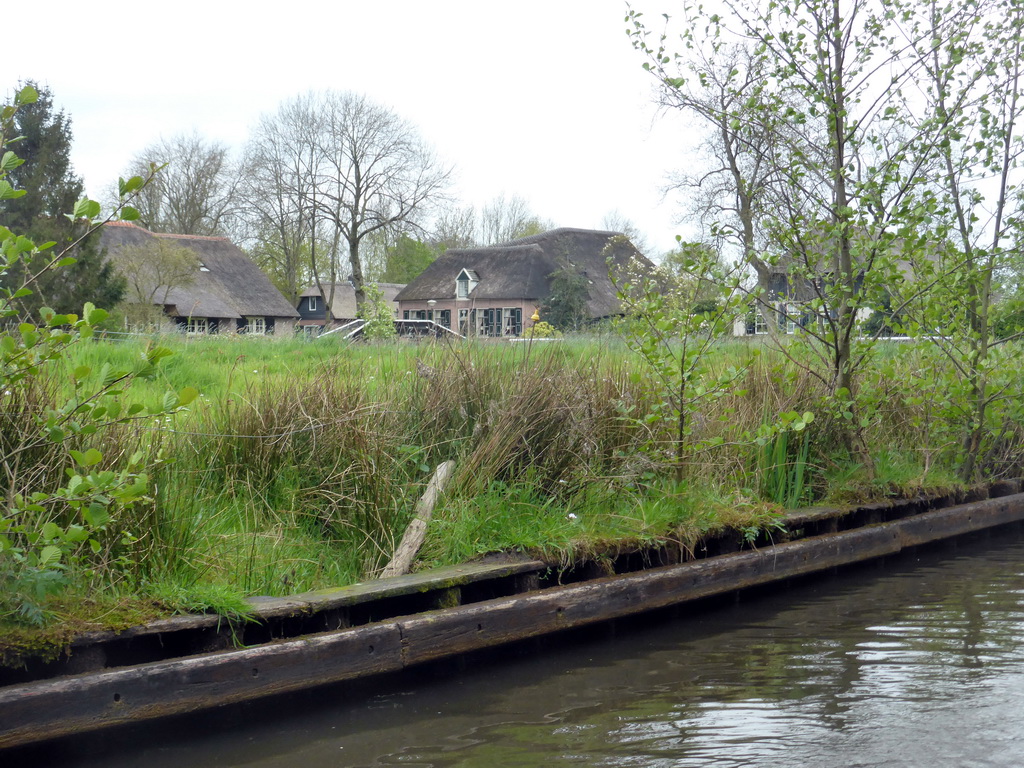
(214, 289)
(312, 304)
(494, 291)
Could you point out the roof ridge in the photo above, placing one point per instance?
(133, 225)
(190, 237)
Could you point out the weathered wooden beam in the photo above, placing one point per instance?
(54, 708)
(412, 540)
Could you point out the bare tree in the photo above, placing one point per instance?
(454, 227)
(371, 173)
(505, 219)
(614, 221)
(276, 193)
(734, 185)
(194, 194)
(152, 271)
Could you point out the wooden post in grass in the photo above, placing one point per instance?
(417, 530)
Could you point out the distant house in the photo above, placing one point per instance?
(796, 287)
(220, 291)
(494, 291)
(313, 306)
(787, 298)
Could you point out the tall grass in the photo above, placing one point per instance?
(300, 464)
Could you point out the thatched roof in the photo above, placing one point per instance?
(230, 287)
(343, 306)
(522, 269)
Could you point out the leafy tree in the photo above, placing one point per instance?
(65, 506)
(846, 172)
(406, 260)
(378, 314)
(45, 176)
(673, 341)
(973, 87)
(287, 266)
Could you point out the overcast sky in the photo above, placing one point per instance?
(543, 99)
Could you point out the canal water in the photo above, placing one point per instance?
(917, 661)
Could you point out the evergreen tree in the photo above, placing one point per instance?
(51, 190)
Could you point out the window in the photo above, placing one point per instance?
(312, 303)
(197, 325)
(760, 326)
(506, 321)
(464, 322)
(445, 316)
(512, 321)
(256, 326)
(462, 288)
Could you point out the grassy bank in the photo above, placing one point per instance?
(299, 465)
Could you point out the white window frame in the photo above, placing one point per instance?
(462, 288)
(760, 326)
(312, 303)
(256, 326)
(197, 326)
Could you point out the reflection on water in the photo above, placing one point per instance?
(918, 663)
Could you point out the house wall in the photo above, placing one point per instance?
(745, 325)
(526, 307)
(274, 326)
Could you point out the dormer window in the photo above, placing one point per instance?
(465, 283)
(312, 303)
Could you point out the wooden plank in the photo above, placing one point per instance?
(411, 584)
(960, 520)
(445, 633)
(72, 705)
(269, 608)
